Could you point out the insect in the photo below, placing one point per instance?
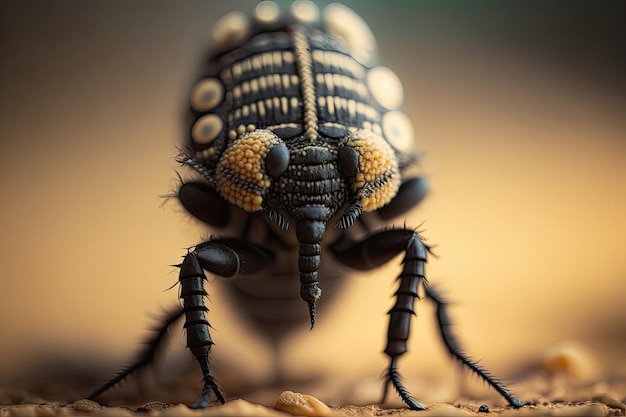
(302, 158)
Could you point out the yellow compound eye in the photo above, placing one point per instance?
(242, 177)
(377, 177)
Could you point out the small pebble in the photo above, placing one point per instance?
(153, 405)
(86, 405)
(483, 408)
(569, 358)
(301, 404)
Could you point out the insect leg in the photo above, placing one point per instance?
(411, 192)
(226, 258)
(146, 356)
(375, 251)
(453, 346)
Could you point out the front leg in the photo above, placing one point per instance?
(226, 258)
(376, 250)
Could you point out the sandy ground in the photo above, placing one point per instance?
(290, 403)
(562, 383)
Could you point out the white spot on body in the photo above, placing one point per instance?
(267, 12)
(261, 107)
(245, 87)
(305, 11)
(256, 62)
(331, 104)
(277, 59)
(284, 105)
(268, 62)
(206, 129)
(385, 87)
(360, 108)
(345, 23)
(329, 82)
(230, 30)
(276, 80)
(254, 85)
(352, 108)
(286, 83)
(207, 94)
(237, 71)
(398, 130)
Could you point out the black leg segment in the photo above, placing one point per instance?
(376, 250)
(410, 194)
(226, 258)
(146, 355)
(444, 324)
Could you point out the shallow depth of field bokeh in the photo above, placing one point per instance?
(518, 108)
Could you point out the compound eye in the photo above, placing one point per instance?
(377, 176)
(243, 177)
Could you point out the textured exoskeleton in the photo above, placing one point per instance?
(303, 157)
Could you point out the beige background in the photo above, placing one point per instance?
(518, 108)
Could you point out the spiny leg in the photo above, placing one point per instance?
(145, 356)
(453, 346)
(375, 251)
(199, 339)
(400, 314)
(226, 258)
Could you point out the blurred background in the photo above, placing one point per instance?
(519, 109)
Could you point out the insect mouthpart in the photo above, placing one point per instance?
(310, 231)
